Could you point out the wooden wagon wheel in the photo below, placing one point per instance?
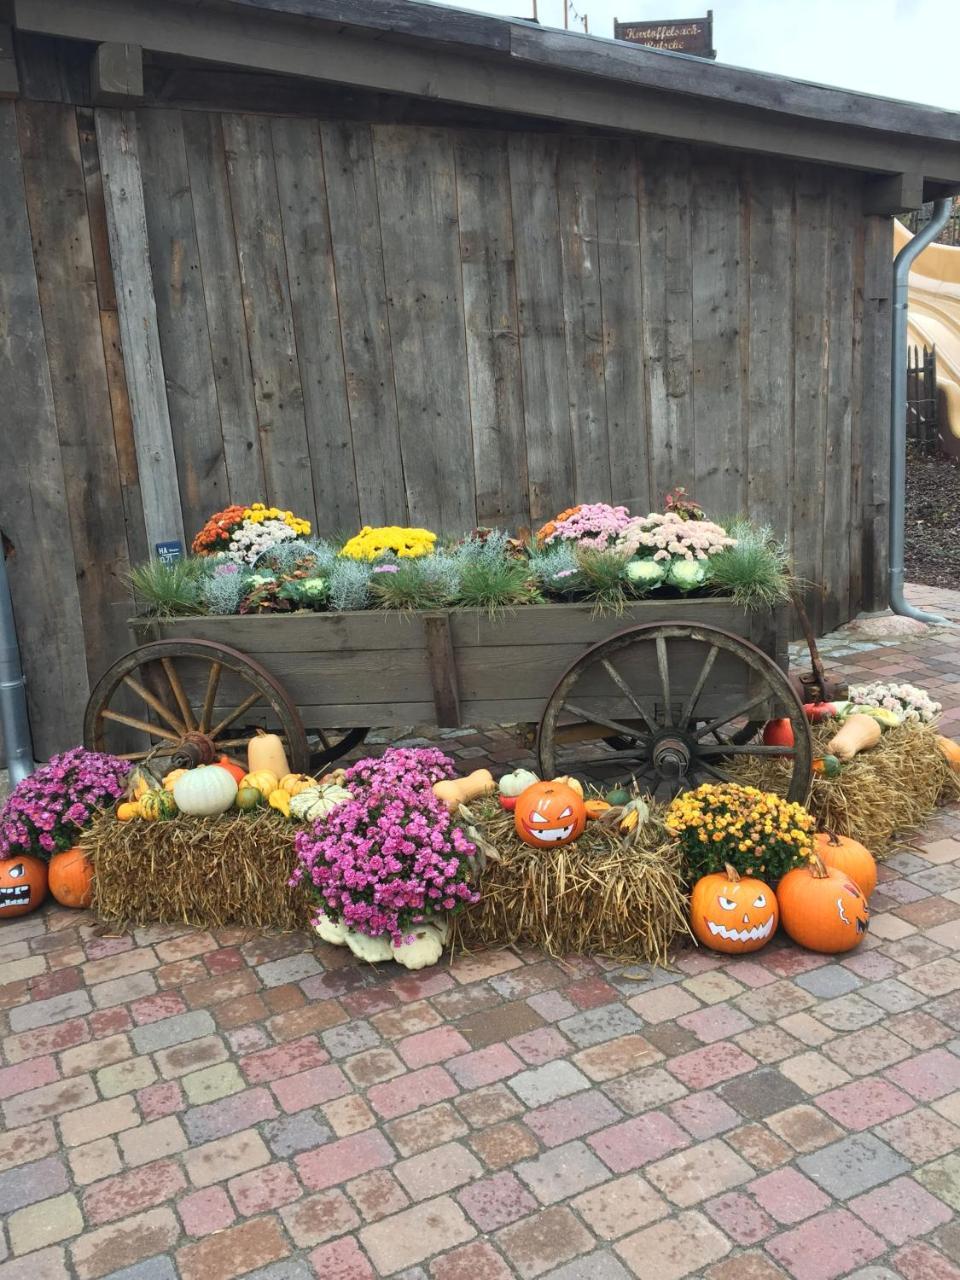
(663, 743)
(184, 732)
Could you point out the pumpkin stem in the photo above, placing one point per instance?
(817, 868)
(733, 875)
(832, 836)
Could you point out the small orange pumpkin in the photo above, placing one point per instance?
(23, 885)
(596, 808)
(733, 913)
(822, 909)
(549, 814)
(70, 877)
(236, 771)
(951, 751)
(849, 856)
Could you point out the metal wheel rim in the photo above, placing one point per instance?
(713, 638)
(220, 656)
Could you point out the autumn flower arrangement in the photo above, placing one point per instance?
(757, 832)
(370, 543)
(46, 812)
(906, 701)
(593, 525)
(392, 857)
(246, 533)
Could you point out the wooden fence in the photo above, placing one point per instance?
(385, 323)
(922, 399)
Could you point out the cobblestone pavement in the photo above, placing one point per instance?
(178, 1103)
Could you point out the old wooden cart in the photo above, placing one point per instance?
(666, 692)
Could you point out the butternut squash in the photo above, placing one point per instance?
(462, 790)
(951, 751)
(859, 733)
(265, 753)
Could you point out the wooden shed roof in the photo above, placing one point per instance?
(433, 52)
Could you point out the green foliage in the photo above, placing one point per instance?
(756, 572)
(494, 584)
(422, 582)
(349, 584)
(556, 569)
(603, 579)
(222, 593)
(166, 590)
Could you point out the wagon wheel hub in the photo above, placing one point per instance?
(671, 757)
(192, 750)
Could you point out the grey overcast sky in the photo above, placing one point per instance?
(897, 48)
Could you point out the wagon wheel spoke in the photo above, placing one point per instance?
(210, 697)
(155, 704)
(645, 714)
(133, 755)
(235, 714)
(746, 749)
(664, 669)
(588, 762)
(592, 717)
(708, 769)
(132, 722)
(691, 703)
(177, 689)
(734, 715)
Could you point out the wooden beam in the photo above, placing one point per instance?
(531, 85)
(894, 194)
(442, 664)
(9, 79)
(116, 73)
(136, 305)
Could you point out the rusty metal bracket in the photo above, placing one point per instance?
(815, 685)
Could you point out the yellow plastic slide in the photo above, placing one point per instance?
(934, 319)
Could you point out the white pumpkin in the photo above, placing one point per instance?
(425, 949)
(317, 802)
(513, 784)
(205, 791)
(333, 931)
(369, 949)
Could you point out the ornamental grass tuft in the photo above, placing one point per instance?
(756, 571)
(167, 589)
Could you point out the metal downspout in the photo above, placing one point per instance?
(13, 699)
(898, 411)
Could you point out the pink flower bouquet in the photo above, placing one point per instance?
(47, 811)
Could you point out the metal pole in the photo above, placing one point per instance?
(898, 411)
(13, 699)
(566, 15)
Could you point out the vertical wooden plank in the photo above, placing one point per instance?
(123, 439)
(364, 330)
(533, 187)
(182, 318)
(770, 338)
(416, 187)
(875, 409)
(810, 282)
(837, 492)
(223, 299)
(313, 298)
(492, 325)
(143, 362)
(251, 170)
(667, 319)
(715, 229)
(41, 569)
(857, 424)
(621, 290)
(57, 209)
(583, 321)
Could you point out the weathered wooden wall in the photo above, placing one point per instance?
(376, 323)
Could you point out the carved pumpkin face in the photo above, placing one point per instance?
(733, 914)
(23, 885)
(549, 814)
(822, 908)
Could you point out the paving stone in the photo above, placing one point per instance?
(408, 1237)
(827, 1246)
(927, 1076)
(484, 1066)
(942, 1178)
(164, 1137)
(541, 1085)
(619, 1206)
(94, 1160)
(225, 1158)
(341, 1260)
(132, 1191)
(319, 1218)
(440, 1169)
(805, 1128)
(99, 1120)
(158, 1268)
(572, 1117)
(594, 1026)
(342, 1160)
(901, 1210)
(45, 1223)
(788, 1196)
(211, 1083)
(310, 1088)
(503, 1144)
(562, 1172)
(642, 1090)
(740, 1217)
(377, 1194)
(853, 1165)
(596, 1266)
(496, 1202)
(674, 1248)
(693, 1175)
(228, 1115)
(289, 1135)
(234, 1251)
(544, 1241)
(704, 1068)
(921, 1135)
(545, 1044)
(505, 1021)
(637, 1142)
(44, 1013)
(50, 1100)
(263, 1190)
(704, 1115)
(29, 1183)
(761, 1093)
(172, 1031)
(290, 969)
(192, 1055)
(617, 1057)
(865, 1103)
(126, 1077)
(206, 1211)
(411, 1091)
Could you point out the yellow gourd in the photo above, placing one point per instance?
(462, 790)
(573, 783)
(155, 806)
(129, 809)
(141, 782)
(294, 783)
(263, 781)
(265, 752)
(171, 778)
(859, 733)
(280, 800)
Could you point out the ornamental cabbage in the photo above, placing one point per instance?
(646, 573)
(686, 574)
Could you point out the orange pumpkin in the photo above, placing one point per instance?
(733, 913)
(849, 856)
(951, 751)
(549, 814)
(70, 877)
(822, 909)
(236, 771)
(596, 808)
(23, 885)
